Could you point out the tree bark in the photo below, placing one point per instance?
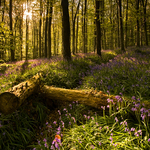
(27, 34)
(84, 29)
(93, 99)
(11, 32)
(77, 34)
(74, 20)
(14, 97)
(118, 31)
(126, 25)
(49, 30)
(46, 22)
(66, 31)
(40, 24)
(121, 26)
(98, 28)
(145, 24)
(138, 26)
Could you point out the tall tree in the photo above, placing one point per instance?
(66, 31)
(2, 41)
(46, 23)
(118, 29)
(111, 22)
(84, 29)
(98, 28)
(144, 4)
(11, 32)
(27, 31)
(126, 25)
(138, 26)
(40, 25)
(121, 26)
(49, 28)
(77, 34)
(74, 19)
(21, 31)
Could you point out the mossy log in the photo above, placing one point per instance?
(11, 99)
(92, 98)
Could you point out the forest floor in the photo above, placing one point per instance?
(75, 126)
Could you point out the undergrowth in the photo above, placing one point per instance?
(124, 125)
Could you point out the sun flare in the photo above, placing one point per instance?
(26, 13)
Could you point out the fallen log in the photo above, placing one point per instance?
(93, 98)
(11, 99)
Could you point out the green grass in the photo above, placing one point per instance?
(122, 126)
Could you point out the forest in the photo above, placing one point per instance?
(74, 74)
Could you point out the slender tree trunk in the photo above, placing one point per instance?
(111, 22)
(40, 24)
(95, 35)
(141, 38)
(126, 25)
(132, 35)
(66, 31)
(77, 34)
(49, 30)
(118, 32)
(144, 18)
(84, 29)
(138, 26)
(98, 28)
(11, 31)
(37, 41)
(21, 33)
(72, 38)
(27, 34)
(34, 49)
(121, 27)
(74, 20)
(46, 23)
(43, 40)
(54, 38)
(2, 41)
(57, 40)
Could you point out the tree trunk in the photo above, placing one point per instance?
(138, 26)
(14, 97)
(2, 43)
(49, 30)
(126, 25)
(43, 46)
(77, 34)
(84, 29)
(111, 22)
(93, 99)
(66, 31)
(11, 32)
(121, 27)
(40, 24)
(46, 31)
(118, 32)
(37, 43)
(74, 20)
(145, 24)
(57, 40)
(72, 38)
(21, 33)
(98, 28)
(54, 38)
(27, 34)
(34, 29)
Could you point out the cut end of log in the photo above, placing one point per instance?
(8, 103)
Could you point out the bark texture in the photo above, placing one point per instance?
(93, 98)
(11, 99)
